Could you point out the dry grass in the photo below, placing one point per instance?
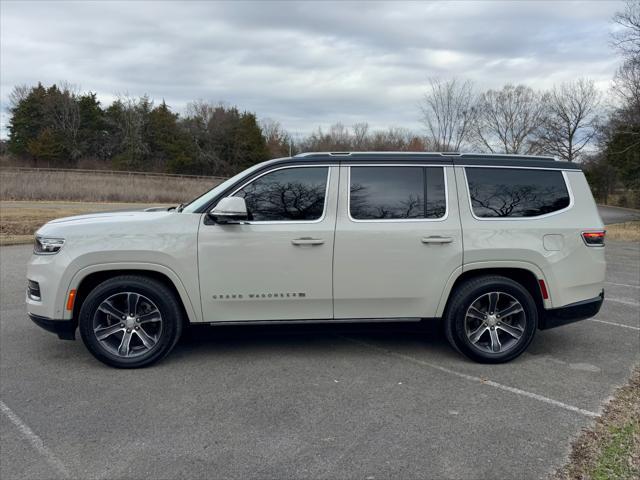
(19, 220)
(611, 449)
(100, 187)
(628, 231)
(627, 199)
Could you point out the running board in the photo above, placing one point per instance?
(330, 320)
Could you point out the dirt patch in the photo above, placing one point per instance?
(611, 448)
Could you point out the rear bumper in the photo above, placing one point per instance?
(65, 329)
(574, 312)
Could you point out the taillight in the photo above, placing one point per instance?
(594, 239)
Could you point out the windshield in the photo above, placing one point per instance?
(206, 197)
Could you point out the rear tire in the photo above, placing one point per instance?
(130, 321)
(491, 319)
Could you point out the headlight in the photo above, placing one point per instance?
(47, 245)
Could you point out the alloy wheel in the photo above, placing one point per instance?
(495, 322)
(127, 324)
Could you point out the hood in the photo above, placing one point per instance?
(109, 216)
(129, 221)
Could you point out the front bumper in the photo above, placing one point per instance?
(65, 329)
(574, 312)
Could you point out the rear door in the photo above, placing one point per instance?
(398, 240)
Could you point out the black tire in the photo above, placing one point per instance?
(156, 294)
(475, 290)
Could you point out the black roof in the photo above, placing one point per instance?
(446, 158)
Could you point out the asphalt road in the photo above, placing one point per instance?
(367, 401)
(611, 215)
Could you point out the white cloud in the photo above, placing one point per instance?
(303, 63)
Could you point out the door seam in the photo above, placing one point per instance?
(333, 244)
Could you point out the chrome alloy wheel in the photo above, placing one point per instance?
(127, 324)
(495, 322)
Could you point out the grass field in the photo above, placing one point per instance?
(96, 186)
(628, 231)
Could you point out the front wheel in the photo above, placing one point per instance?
(491, 319)
(130, 321)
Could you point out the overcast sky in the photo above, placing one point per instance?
(302, 63)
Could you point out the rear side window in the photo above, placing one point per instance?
(291, 194)
(379, 193)
(513, 192)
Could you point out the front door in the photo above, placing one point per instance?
(278, 265)
(398, 240)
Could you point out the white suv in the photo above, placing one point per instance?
(495, 246)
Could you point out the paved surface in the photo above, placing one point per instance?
(611, 215)
(369, 401)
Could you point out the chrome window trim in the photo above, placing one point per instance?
(536, 217)
(288, 222)
(400, 220)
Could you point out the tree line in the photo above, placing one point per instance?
(59, 126)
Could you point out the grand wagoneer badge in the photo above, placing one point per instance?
(257, 296)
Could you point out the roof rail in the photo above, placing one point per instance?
(432, 154)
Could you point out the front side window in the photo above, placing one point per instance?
(289, 194)
(512, 192)
(378, 193)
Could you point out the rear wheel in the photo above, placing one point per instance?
(130, 321)
(491, 319)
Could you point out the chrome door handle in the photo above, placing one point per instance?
(307, 241)
(435, 239)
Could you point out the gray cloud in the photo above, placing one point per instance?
(303, 63)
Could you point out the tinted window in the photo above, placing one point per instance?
(436, 195)
(397, 193)
(287, 194)
(511, 192)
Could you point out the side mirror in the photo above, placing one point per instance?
(230, 210)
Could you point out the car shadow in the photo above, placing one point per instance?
(281, 337)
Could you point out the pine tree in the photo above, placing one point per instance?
(27, 120)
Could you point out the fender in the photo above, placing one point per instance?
(192, 313)
(531, 267)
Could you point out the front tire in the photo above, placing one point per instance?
(491, 319)
(130, 321)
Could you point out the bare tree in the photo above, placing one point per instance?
(571, 119)
(626, 83)
(201, 111)
(340, 135)
(627, 39)
(18, 94)
(508, 120)
(130, 122)
(277, 138)
(65, 113)
(621, 134)
(448, 113)
(360, 138)
(360, 132)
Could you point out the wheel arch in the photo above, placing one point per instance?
(525, 274)
(90, 277)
